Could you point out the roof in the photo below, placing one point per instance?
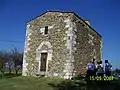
(67, 12)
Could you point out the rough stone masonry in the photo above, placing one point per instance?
(59, 43)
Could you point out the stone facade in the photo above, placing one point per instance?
(69, 44)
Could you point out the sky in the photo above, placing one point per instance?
(104, 16)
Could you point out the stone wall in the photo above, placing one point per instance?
(71, 43)
(57, 37)
(88, 45)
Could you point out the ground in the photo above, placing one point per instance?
(16, 82)
(26, 83)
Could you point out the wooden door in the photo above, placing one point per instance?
(43, 61)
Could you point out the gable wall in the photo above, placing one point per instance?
(87, 43)
(57, 37)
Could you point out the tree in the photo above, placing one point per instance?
(17, 58)
(9, 61)
(5, 61)
(116, 71)
(2, 62)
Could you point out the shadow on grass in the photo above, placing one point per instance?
(7, 75)
(68, 85)
(83, 85)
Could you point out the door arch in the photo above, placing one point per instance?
(43, 56)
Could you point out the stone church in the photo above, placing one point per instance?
(59, 43)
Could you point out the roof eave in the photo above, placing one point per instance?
(87, 24)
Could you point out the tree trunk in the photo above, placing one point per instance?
(16, 72)
(1, 76)
(9, 70)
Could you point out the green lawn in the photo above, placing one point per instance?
(16, 82)
(27, 83)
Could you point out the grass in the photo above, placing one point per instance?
(17, 82)
(27, 83)
(6, 75)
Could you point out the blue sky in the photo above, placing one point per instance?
(104, 16)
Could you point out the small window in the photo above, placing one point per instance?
(46, 30)
(69, 37)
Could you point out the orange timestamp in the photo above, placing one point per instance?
(99, 78)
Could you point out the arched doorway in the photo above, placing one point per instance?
(43, 56)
